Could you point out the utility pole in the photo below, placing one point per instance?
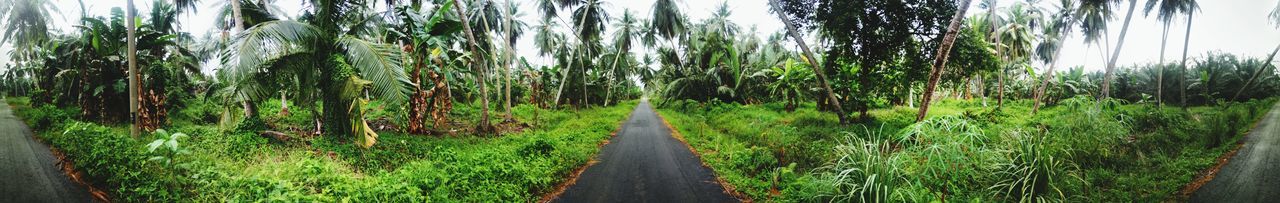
(131, 21)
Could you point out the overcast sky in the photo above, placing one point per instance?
(1236, 26)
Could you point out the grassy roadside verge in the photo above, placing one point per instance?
(216, 165)
(965, 152)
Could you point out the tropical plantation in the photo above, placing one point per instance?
(667, 101)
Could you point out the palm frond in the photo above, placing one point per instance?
(253, 49)
(379, 63)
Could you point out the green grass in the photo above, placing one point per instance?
(241, 166)
(963, 151)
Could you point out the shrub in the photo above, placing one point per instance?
(47, 117)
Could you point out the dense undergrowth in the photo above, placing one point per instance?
(963, 151)
(214, 165)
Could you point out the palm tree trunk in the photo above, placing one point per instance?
(1044, 84)
(1263, 67)
(1111, 62)
(1000, 88)
(609, 91)
(134, 128)
(564, 78)
(1164, 39)
(940, 58)
(483, 126)
(235, 11)
(813, 63)
(1186, 43)
(506, 72)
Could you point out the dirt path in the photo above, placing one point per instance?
(27, 168)
(643, 163)
(1253, 175)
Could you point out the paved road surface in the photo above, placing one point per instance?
(27, 169)
(643, 163)
(1253, 175)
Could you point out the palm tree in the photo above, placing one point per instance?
(1275, 20)
(940, 57)
(813, 63)
(513, 28)
(26, 22)
(1057, 30)
(1166, 11)
(323, 51)
(1015, 37)
(626, 29)
(483, 126)
(1111, 61)
(590, 22)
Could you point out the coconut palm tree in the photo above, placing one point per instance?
(483, 126)
(1165, 12)
(940, 57)
(323, 51)
(1111, 61)
(513, 28)
(1015, 36)
(1275, 20)
(1055, 32)
(26, 22)
(626, 31)
(813, 63)
(590, 20)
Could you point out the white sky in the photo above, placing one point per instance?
(1237, 26)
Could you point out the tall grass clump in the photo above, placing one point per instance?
(1032, 171)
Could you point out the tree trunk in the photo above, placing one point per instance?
(483, 126)
(134, 129)
(1044, 84)
(564, 78)
(1186, 43)
(1111, 62)
(940, 58)
(609, 90)
(284, 104)
(1000, 88)
(822, 77)
(1164, 39)
(1264, 64)
(235, 11)
(506, 72)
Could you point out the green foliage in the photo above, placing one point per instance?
(205, 164)
(47, 117)
(962, 152)
(170, 149)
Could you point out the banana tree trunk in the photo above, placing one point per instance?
(940, 58)
(1264, 64)
(483, 126)
(813, 63)
(1111, 62)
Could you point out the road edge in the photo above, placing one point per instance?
(572, 179)
(727, 188)
(1206, 175)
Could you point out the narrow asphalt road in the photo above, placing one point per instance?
(1253, 175)
(27, 168)
(643, 163)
